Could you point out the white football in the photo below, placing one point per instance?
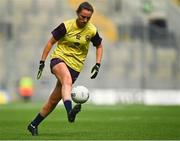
(80, 94)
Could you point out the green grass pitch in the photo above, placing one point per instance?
(120, 122)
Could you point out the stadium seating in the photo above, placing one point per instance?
(129, 55)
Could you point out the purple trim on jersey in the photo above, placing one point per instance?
(96, 40)
(59, 32)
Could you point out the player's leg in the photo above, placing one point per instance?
(64, 75)
(59, 69)
(53, 100)
(48, 107)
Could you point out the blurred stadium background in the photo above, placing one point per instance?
(141, 62)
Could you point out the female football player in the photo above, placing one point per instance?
(73, 38)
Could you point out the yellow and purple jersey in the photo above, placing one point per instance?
(73, 43)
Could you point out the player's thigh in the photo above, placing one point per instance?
(61, 71)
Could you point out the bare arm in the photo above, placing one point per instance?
(45, 53)
(99, 53)
(95, 69)
(47, 48)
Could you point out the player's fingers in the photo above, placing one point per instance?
(92, 70)
(94, 74)
(39, 74)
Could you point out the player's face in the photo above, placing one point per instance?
(83, 17)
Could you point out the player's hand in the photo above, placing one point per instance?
(95, 70)
(41, 67)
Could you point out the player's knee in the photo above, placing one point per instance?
(67, 81)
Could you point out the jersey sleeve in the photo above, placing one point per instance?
(59, 31)
(96, 40)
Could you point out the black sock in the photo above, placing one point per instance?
(37, 120)
(68, 105)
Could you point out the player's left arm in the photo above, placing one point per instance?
(99, 53)
(96, 40)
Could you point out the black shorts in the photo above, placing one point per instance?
(74, 74)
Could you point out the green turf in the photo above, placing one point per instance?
(121, 122)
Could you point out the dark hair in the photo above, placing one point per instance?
(85, 5)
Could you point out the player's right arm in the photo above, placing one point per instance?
(47, 48)
(45, 53)
(57, 33)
